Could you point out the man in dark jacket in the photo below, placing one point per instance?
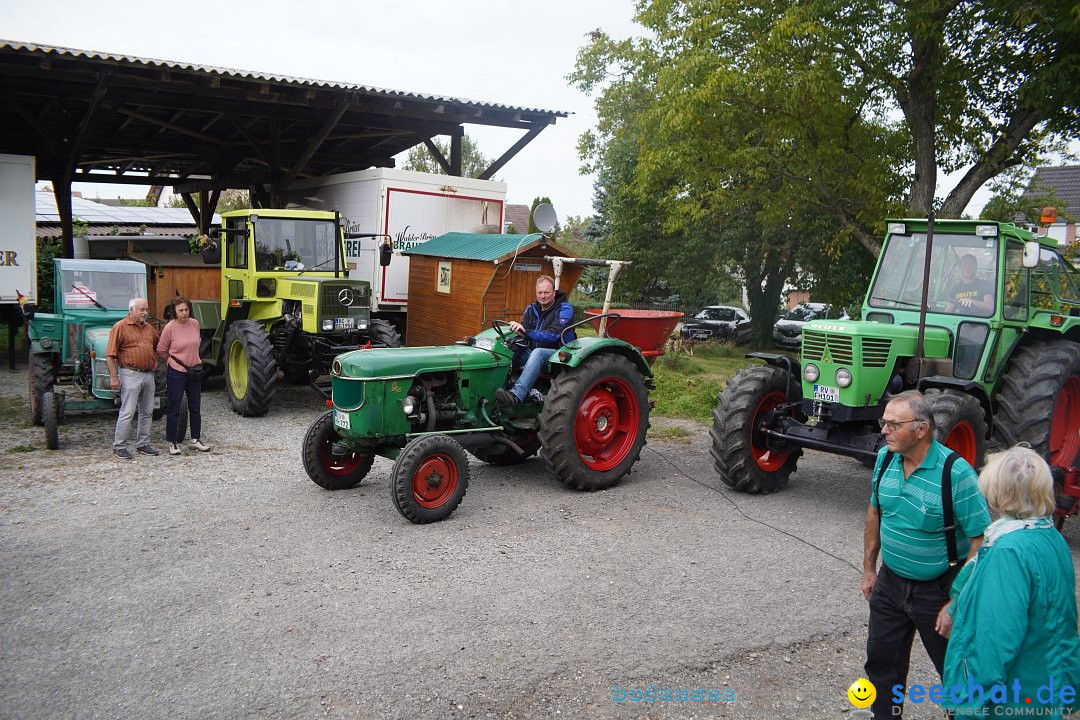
(542, 323)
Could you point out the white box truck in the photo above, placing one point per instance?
(410, 207)
(18, 248)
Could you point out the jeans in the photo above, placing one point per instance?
(136, 395)
(899, 607)
(536, 360)
(181, 384)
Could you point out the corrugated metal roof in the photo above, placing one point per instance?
(96, 213)
(250, 75)
(476, 246)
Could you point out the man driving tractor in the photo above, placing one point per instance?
(541, 324)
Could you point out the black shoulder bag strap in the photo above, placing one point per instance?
(877, 482)
(947, 508)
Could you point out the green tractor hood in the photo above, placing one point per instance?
(384, 364)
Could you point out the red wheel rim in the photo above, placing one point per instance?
(338, 464)
(1065, 424)
(766, 459)
(435, 481)
(962, 439)
(606, 424)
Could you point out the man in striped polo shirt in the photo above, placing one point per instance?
(911, 589)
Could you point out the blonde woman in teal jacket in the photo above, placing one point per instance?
(1013, 641)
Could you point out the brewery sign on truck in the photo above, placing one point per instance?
(18, 264)
(409, 207)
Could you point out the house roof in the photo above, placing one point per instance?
(477, 246)
(518, 216)
(125, 219)
(1064, 181)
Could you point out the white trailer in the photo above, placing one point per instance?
(410, 207)
(18, 248)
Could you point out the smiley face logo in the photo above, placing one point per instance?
(862, 693)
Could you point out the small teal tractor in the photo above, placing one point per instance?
(67, 347)
(983, 317)
(426, 407)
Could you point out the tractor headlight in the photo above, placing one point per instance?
(810, 372)
(328, 324)
(843, 377)
(986, 230)
(361, 324)
(409, 405)
(335, 367)
(897, 229)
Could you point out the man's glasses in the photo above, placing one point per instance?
(893, 425)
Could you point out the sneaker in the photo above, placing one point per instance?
(200, 445)
(147, 450)
(173, 449)
(506, 399)
(123, 453)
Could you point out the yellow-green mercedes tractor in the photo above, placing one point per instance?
(287, 304)
(985, 323)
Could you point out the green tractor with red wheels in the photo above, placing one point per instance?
(983, 317)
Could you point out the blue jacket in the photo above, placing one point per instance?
(544, 327)
(1016, 622)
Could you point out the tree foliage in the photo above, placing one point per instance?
(769, 138)
(473, 162)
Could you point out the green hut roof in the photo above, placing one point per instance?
(479, 246)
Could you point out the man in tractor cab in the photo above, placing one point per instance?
(541, 324)
(909, 522)
(969, 295)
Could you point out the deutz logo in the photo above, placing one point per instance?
(825, 356)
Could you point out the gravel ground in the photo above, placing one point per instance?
(227, 585)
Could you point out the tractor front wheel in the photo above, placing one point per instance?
(384, 334)
(593, 424)
(330, 467)
(429, 479)
(961, 424)
(50, 416)
(250, 368)
(742, 453)
(42, 372)
(1039, 401)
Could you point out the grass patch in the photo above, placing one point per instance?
(26, 447)
(686, 387)
(670, 432)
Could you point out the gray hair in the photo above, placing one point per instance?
(1017, 482)
(132, 301)
(918, 405)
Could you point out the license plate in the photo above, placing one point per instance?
(341, 419)
(344, 323)
(700, 335)
(826, 393)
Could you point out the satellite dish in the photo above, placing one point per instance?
(544, 217)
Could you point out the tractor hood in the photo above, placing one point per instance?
(842, 341)
(97, 339)
(386, 363)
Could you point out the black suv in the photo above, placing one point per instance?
(720, 322)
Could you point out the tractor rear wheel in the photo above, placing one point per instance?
(384, 334)
(500, 455)
(429, 479)
(42, 373)
(961, 424)
(1039, 400)
(593, 424)
(250, 368)
(741, 451)
(332, 470)
(50, 416)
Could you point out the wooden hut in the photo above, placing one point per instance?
(460, 282)
(171, 273)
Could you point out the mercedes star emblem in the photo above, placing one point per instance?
(345, 297)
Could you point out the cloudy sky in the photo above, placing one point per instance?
(510, 52)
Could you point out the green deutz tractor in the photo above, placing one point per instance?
(997, 353)
(427, 407)
(67, 346)
(286, 304)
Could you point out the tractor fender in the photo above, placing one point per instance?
(967, 386)
(576, 352)
(784, 362)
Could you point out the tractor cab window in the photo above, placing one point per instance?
(963, 274)
(1016, 283)
(236, 243)
(290, 244)
(88, 289)
(1055, 285)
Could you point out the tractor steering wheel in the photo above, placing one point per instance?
(512, 340)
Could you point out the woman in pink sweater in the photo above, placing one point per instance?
(179, 345)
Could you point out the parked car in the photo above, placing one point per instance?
(787, 332)
(721, 322)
